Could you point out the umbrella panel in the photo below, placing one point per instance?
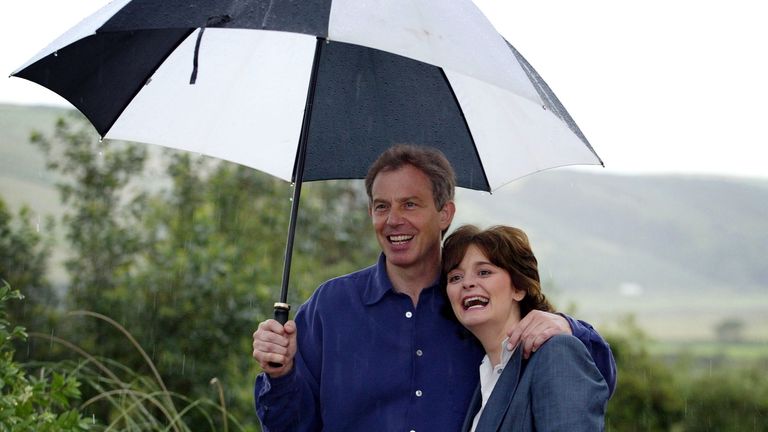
(367, 100)
(101, 74)
(306, 16)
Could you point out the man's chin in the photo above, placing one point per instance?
(400, 258)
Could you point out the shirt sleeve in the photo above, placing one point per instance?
(563, 368)
(598, 348)
(291, 402)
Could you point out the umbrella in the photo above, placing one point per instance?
(313, 89)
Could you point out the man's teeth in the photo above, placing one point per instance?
(475, 302)
(400, 239)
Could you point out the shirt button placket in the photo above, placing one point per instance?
(419, 353)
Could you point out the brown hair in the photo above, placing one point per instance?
(506, 247)
(431, 161)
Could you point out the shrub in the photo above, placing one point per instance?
(40, 403)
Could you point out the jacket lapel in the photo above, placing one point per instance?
(474, 407)
(501, 397)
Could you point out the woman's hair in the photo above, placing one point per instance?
(507, 248)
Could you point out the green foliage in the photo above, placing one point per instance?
(135, 401)
(728, 399)
(100, 220)
(23, 262)
(33, 403)
(646, 397)
(98, 225)
(690, 393)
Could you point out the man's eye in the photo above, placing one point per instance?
(410, 204)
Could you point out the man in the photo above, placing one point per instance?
(374, 350)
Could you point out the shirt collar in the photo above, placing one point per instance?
(381, 284)
(485, 365)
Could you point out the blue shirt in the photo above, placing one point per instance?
(368, 360)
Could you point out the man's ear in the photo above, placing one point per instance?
(446, 214)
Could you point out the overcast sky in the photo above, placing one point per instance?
(659, 86)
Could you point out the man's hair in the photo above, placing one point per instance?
(431, 161)
(505, 247)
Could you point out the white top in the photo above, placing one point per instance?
(489, 376)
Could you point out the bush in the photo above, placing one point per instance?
(728, 400)
(647, 397)
(33, 403)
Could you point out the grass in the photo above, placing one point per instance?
(138, 402)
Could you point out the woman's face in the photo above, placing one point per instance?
(482, 294)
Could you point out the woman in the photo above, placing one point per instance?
(492, 282)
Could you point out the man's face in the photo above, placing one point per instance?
(407, 224)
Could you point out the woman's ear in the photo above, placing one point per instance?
(517, 294)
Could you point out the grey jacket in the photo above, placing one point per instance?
(558, 389)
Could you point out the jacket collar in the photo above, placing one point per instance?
(500, 399)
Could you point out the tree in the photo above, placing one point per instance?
(647, 397)
(24, 257)
(730, 330)
(728, 400)
(100, 219)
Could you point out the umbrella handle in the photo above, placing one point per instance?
(281, 316)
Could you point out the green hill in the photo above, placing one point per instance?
(682, 253)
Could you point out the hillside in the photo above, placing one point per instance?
(681, 253)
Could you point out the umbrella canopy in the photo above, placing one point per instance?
(313, 89)
(425, 71)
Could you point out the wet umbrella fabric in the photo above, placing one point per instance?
(313, 90)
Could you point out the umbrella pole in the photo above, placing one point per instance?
(282, 307)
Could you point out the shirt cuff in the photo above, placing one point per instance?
(275, 387)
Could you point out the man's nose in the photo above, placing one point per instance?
(394, 217)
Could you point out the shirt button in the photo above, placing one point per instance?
(408, 314)
(418, 393)
(419, 353)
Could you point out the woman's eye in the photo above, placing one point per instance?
(484, 272)
(454, 278)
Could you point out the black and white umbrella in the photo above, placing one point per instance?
(313, 89)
